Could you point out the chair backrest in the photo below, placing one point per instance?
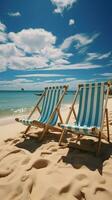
(91, 102)
(52, 99)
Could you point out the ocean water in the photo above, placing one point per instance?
(21, 102)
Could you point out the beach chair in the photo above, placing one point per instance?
(92, 109)
(49, 109)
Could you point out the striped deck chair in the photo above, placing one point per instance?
(50, 102)
(91, 112)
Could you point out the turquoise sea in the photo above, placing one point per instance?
(20, 102)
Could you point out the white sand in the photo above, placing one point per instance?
(30, 170)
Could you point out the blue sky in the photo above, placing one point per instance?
(49, 42)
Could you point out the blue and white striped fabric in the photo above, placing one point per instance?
(50, 100)
(90, 112)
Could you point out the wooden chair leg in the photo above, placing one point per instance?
(43, 133)
(78, 138)
(107, 122)
(99, 145)
(27, 129)
(61, 137)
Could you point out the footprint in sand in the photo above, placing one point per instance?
(99, 189)
(80, 177)
(24, 177)
(25, 161)
(80, 195)
(52, 148)
(40, 163)
(65, 189)
(4, 173)
(102, 193)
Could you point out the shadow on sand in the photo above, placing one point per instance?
(75, 156)
(79, 156)
(31, 143)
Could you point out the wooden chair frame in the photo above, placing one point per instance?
(100, 134)
(47, 125)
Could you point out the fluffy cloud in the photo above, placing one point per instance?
(9, 49)
(2, 27)
(27, 63)
(14, 14)
(80, 40)
(32, 40)
(62, 4)
(54, 54)
(31, 49)
(3, 35)
(3, 64)
(22, 62)
(8, 52)
(71, 22)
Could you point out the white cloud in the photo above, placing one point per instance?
(61, 80)
(30, 84)
(103, 56)
(9, 49)
(72, 82)
(32, 49)
(8, 52)
(3, 64)
(54, 54)
(32, 40)
(97, 56)
(80, 40)
(92, 56)
(39, 43)
(71, 22)
(62, 4)
(83, 66)
(3, 35)
(17, 84)
(14, 14)
(106, 74)
(60, 61)
(83, 50)
(39, 75)
(27, 63)
(16, 81)
(2, 27)
(83, 39)
(22, 63)
(67, 42)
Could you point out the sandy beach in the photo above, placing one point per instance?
(56, 59)
(31, 170)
